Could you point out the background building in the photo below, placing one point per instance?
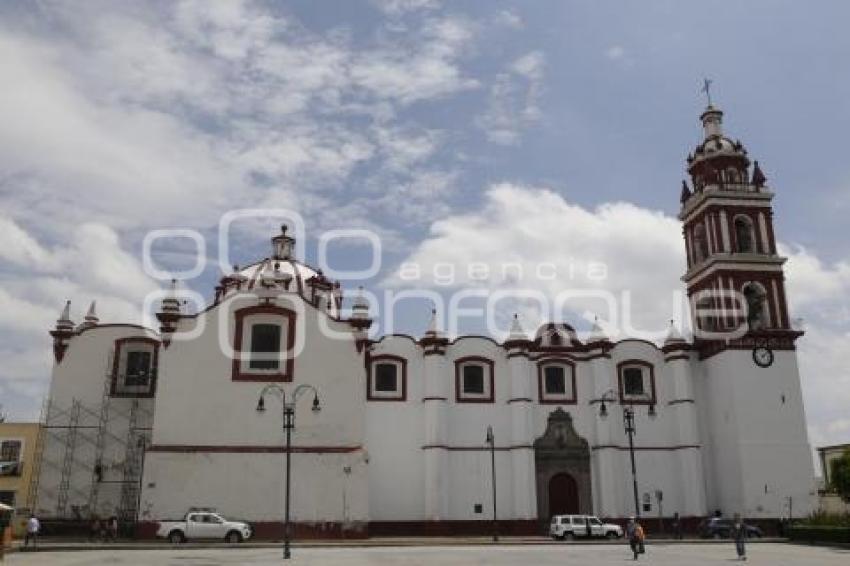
(829, 501)
(18, 442)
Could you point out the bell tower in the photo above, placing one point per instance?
(734, 279)
(754, 442)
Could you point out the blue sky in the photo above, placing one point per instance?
(556, 129)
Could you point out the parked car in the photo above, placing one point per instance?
(199, 525)
(575, 526)
(719, 527)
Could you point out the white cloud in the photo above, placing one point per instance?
(510, 19)
(615, 52)
(126, 115)
(427, 68)
(514, 100)
(90, 265)
(811, 284)
(399, 7)
(533, 226)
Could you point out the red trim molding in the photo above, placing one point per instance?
(489, 367)
(647, 448)
(652, 400)
(116, 363)
(545, 399)
(248, 449)
(239, 334)
(476, 448)
(402, 393)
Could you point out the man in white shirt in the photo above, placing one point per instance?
(33, 527)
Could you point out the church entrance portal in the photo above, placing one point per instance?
(562, 465)
(563, 495)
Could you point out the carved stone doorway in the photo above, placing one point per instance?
(562, 467)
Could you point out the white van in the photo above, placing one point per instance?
(575, 526)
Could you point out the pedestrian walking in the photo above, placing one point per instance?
(635, 536)
(112, 528)
(739, 533)
(640, 537)
(94, 529)
(33, 528)
(677, 526)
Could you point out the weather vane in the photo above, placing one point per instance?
(706, 88)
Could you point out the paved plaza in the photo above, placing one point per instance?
(773, 554)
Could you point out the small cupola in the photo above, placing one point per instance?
(517, 332)
(673, 335)
(518, 341)
(597, 333)
(360, 306)
(62, 333)
(434, 341)
(434, 331)
(282, 244)
(169, 314)
(64, 322)
(91, 318)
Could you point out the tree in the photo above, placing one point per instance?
(839, 475)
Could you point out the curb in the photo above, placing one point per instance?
(375, 543)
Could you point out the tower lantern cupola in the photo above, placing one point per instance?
(712, 122)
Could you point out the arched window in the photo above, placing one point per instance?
(744, 237)
(705, 313)
(700, 244)
(733, 176)
(757, 313)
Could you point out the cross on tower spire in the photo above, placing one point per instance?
(706, 88)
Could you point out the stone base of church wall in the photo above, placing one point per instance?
(514, 527)
(271, 530)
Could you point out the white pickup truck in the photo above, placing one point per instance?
(204, 525)
(575, 526)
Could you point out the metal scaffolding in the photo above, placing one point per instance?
(89, 458)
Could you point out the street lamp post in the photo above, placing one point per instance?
(491, 440)
(288, 408)
(629, 426)
(629, 423)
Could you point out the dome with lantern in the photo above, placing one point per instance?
(281, 272)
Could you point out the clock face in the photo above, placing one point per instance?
(763, 356)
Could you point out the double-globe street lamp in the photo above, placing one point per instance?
(288, 424)
(629, 425)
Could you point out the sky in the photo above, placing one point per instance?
(546, 132)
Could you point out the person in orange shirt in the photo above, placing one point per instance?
(636, 535)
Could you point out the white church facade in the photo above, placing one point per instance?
(148, 423)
